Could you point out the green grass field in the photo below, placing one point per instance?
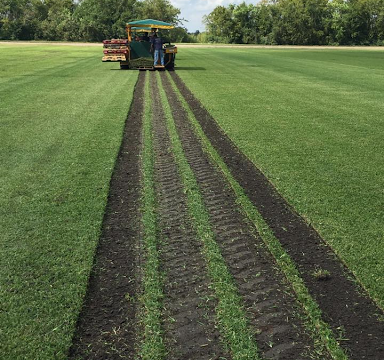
(312, 120)
(61, 118)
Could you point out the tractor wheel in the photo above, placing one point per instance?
(171, 66)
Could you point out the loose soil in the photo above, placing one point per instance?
(107, 324)
(345, 305)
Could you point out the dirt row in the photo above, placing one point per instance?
(190, 331)
(108, 327)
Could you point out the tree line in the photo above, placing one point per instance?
(298, 22)
(282, 22)
(84, 20)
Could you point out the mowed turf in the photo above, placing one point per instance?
(312, 121)
(61, 118)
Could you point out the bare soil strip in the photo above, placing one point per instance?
(190, 331)
(107, 324)
(270, 309)
(345, 305)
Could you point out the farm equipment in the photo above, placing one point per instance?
(134, 52)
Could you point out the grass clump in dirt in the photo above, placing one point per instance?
(141, 62)
(321, 274)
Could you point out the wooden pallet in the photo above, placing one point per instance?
(113, 58)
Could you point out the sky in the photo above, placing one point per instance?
(194, 10)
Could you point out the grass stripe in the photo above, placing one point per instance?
(230, 312)
(320, 330)
(152, 347)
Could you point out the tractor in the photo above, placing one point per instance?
(134, 52)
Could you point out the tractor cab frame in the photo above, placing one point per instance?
(134, 52)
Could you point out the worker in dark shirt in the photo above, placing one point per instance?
(157, 47)
(145, 37)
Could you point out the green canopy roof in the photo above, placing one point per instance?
(150, 23)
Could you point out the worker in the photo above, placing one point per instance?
(157, 48)
(144, 37)
(153, 32)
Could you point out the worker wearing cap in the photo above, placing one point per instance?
(157, 47)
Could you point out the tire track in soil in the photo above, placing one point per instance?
(269, 307)
(345, 305)
(107, 326)
(190, 331)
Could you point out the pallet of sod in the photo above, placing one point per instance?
(141, 62)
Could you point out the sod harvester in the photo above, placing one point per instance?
(134, 52)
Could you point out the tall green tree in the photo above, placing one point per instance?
(245, 18)
(300, 22)
(359, 22)
(37, 19)
(85, 20)
(13, 22)
(103, 19)
(58, 23)
(161, 10)
(220, 24)
(338, 22)
(365, 21)
(264, 15)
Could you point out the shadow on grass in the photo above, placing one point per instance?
(189, 68)
(176, 68)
